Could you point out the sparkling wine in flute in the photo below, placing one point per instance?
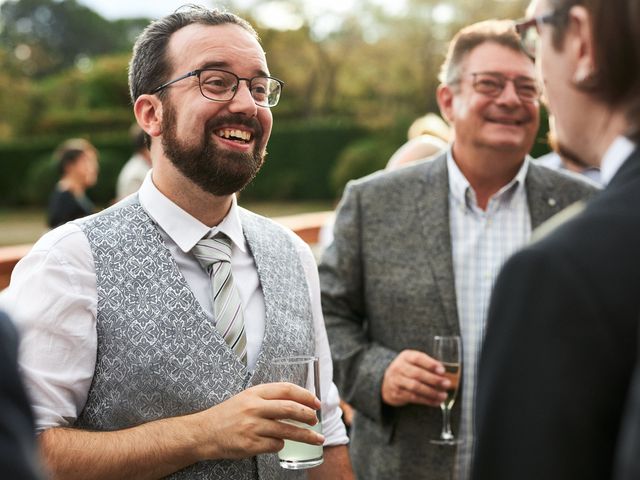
(452, 372)
(447, 350)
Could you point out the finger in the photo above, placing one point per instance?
(423, 400)
(286, 410)
(287, 391)
(291, 431)
(424, 361)
(412, 374)
(419, 389)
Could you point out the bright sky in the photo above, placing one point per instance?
(274, 14)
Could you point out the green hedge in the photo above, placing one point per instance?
(27, 172)
(301, 157)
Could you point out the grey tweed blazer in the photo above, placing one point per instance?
(387, 285)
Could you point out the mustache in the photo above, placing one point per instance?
(234, 119)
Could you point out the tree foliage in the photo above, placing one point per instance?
(49, 36)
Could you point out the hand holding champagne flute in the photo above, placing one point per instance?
(446, 349)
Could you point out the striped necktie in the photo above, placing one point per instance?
(214, 254)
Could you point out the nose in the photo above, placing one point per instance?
(242, 101)
(509, 95)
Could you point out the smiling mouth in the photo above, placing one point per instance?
(234, 134)
(508, 121)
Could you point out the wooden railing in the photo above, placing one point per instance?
(306, 225)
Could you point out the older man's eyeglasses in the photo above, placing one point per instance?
(221, 86)
(492, 84)
(529, 29)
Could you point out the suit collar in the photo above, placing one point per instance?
(614, 157)
(540, 196)
(630, 168)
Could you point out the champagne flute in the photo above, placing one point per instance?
(446, 349)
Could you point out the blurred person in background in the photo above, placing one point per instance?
(77, 162)
(133, 172)
(427, 136)
(416, 251)
(562, 337)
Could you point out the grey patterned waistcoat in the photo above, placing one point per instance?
(158, 356)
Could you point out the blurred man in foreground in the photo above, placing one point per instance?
(562, 330)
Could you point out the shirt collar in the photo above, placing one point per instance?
(614, 157)
(459, 185)
(184, 229)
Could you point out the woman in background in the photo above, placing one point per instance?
(77, 161)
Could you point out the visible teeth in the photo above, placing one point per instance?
(234, 133)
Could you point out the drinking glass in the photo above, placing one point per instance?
(303, 371)
(446, 349)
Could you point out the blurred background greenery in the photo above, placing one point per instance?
(354, 83)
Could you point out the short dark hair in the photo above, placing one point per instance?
(149, 65)
(67, 153)
(501, 32)
(616, 32)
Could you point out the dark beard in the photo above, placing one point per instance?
(216, 171)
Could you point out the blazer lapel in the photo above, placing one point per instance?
(433, 208)
(542, 203)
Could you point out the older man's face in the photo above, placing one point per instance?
(504, 123)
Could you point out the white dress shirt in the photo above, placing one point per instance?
(481, 242)
(53, 299)
(615, 156)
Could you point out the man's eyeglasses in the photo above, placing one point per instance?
(492, 84)
(221, 86)
(529, 30)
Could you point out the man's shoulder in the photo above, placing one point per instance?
(254, 220)
(121, 208)
(269, 229)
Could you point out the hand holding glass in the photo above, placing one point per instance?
(447, 351)
(303, 371)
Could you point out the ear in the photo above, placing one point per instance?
(444, 95)
(580, 42)
(148, 112)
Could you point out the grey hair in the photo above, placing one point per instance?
(501, 32)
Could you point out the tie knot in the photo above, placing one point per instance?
(210, 251)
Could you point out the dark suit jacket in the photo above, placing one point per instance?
(627, 465)
(561, 345)
(387, 285)
(17, 442)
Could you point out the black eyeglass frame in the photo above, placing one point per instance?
(522, 26)
(198, 72)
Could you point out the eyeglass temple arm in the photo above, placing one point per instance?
(165, 85)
